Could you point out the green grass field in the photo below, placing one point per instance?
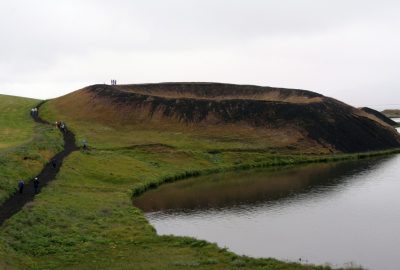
(24, 146)
(85, 218)
(16, 126)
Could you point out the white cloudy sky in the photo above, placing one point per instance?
(347, 49)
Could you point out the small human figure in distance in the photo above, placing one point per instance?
(63, 127)
(84, 145)
(21, 185)
(54, 163)
(34, 112)
(36, 185)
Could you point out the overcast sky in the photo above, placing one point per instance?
(347, 49)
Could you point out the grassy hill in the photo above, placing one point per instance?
(16, 126)
(214, 117)
(24, 149)
(85, 218)
(24, 146)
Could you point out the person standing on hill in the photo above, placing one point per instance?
(21, 185)
(36, 185)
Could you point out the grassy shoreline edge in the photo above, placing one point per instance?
(173, 171)
(140, 188)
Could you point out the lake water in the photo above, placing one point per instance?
(337, 213)
(396, 120)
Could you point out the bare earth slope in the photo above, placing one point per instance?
(310, 117)
(379, 115)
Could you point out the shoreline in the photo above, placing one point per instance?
(141, 188)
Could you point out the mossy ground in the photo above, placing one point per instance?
(85, 218)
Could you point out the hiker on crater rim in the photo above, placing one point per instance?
(36, 185)
(21, 185)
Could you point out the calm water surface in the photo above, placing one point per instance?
(396, 120)
(323, 213)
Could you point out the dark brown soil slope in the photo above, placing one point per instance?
(380, 116)
(330, 123)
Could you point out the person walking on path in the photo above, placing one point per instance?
(63, 128)
(54, 163)
(84, 145)
(21, 185)
(36, 185)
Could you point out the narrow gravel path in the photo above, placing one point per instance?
(48, 174)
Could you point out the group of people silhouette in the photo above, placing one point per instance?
(61, 126)
(34, 112)
(54, 163)
(113, 82)
(21, 185)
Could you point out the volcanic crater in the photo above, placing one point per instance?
(320, 120)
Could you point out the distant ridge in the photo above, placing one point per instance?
(392, 113)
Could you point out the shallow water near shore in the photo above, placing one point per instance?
(336, 213)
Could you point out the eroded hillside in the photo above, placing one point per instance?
(299, 120)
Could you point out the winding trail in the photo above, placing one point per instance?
(17, 201)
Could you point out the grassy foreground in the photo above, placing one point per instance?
(85, 218)
(24, 148)
(16, 126)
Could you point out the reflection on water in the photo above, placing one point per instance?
(234, 189)
(324, 213)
